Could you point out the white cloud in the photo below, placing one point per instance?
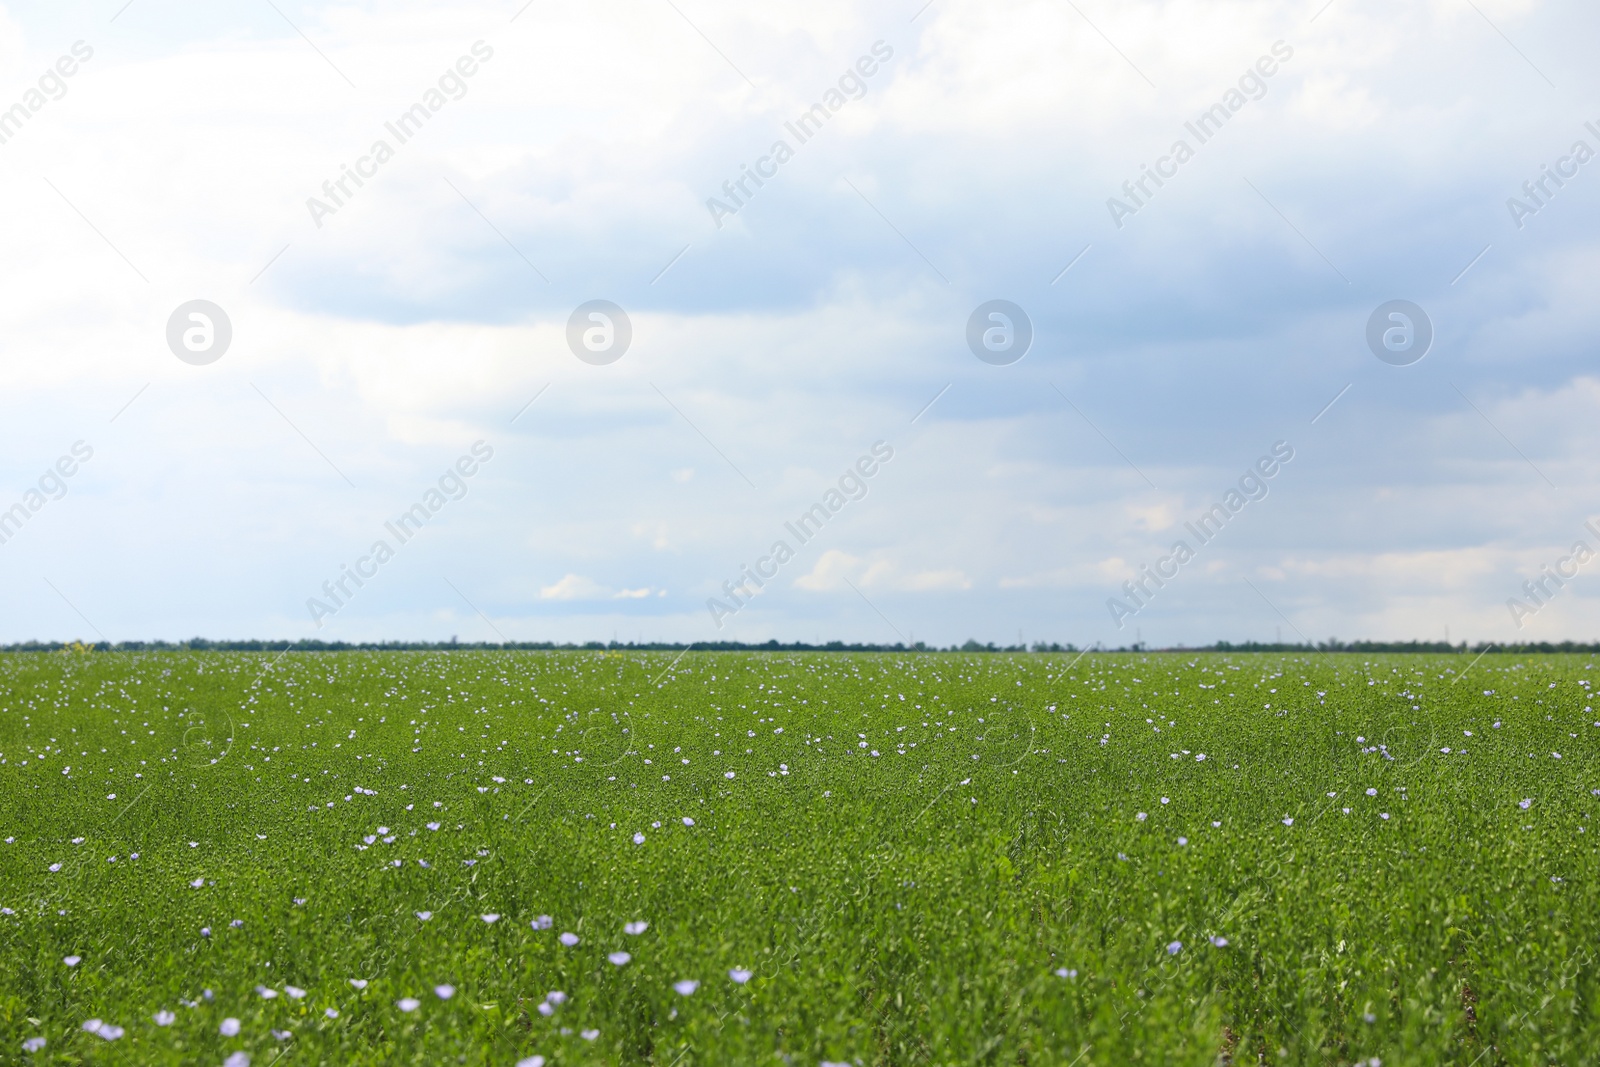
(572, 587)
(829, 572)
(835, 568)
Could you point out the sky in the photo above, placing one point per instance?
(1164, 342)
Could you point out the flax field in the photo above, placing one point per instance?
(543, 858)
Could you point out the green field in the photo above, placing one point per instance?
(917, 859)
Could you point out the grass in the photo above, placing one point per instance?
(936, 859)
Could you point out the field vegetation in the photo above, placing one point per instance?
(518, 857)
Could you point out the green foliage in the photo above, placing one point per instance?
(921, 859)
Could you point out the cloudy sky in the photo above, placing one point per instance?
(1178, 334)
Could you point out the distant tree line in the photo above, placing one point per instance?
(1332, 645)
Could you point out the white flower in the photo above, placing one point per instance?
(197, 883)
(72, 961)
(408, 1004)
(729, 774)
(424, 915)
(491, 918)
(1372, 792)
(543, 922)
(635, 928)
(205, 931)
(359, 983)
(1063, 972)
(688, 821)
(619, 959)
(638, 839)
(332, 1013)
(740, 975)
(589, 1035)
(1288, 821)
(266, 994)
(556, 996)
(54, 867)
(568, 939)
(1164, 800)
(229, 1027)
(444, 992)
(1174, 947)
(531, 1061)
(1383, 815)
(1141, 816)
(685, 987)
(33, 1044)
(1220, 942)
(237, 1059)
(1182, 841)
(546, 1010)
(165, 1018)
(294, 993)
(1525, 803)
